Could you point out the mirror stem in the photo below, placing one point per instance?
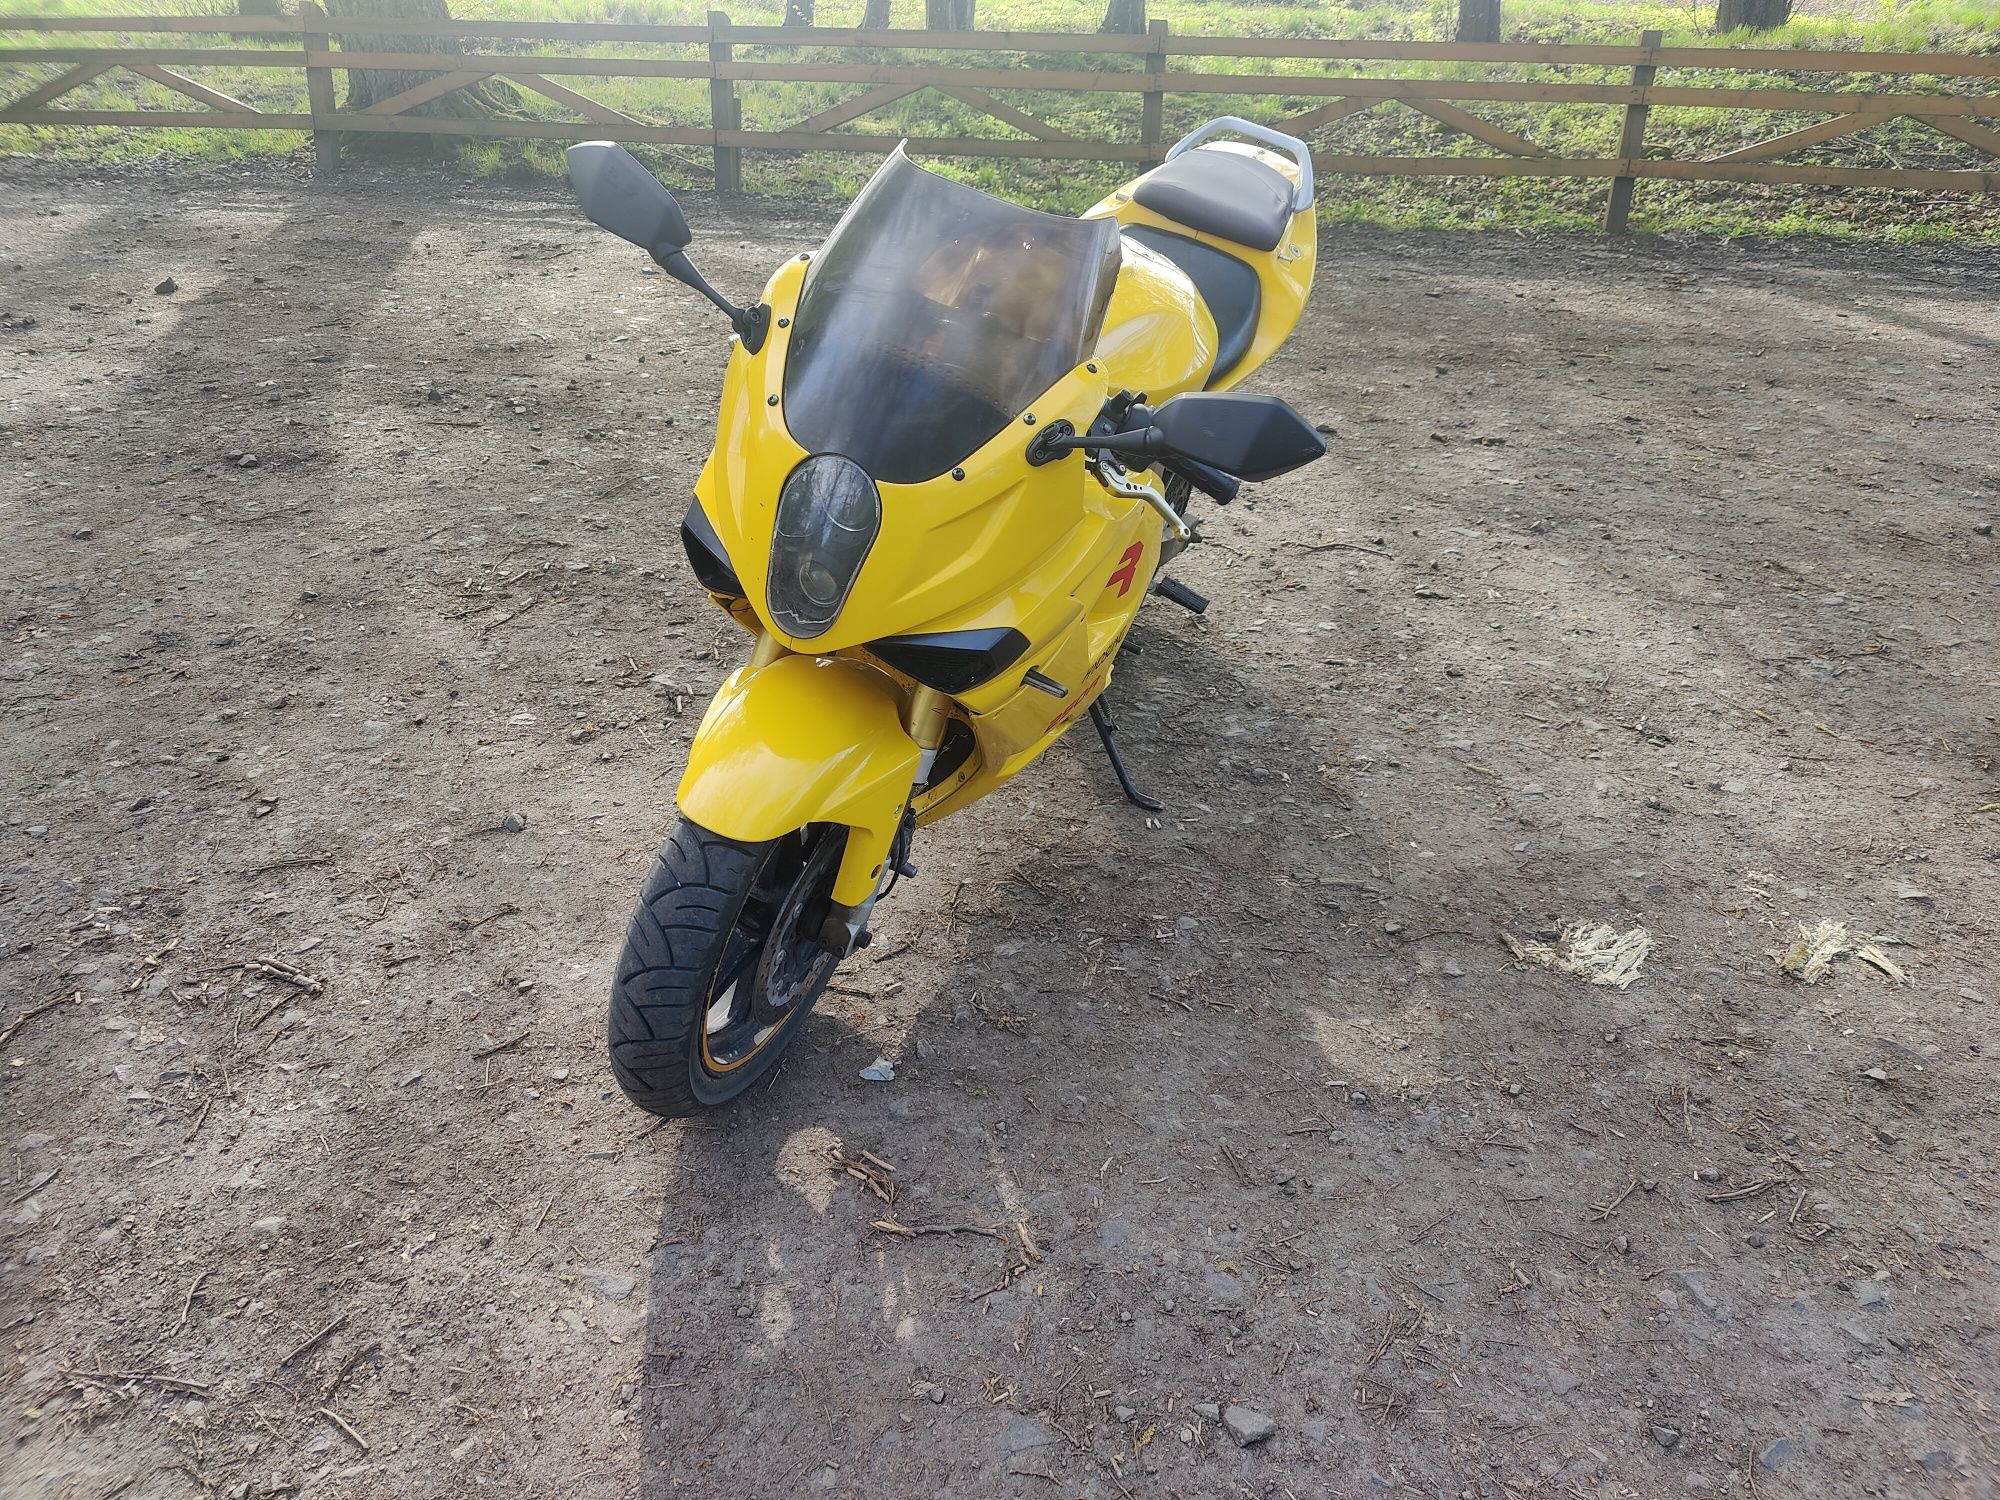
(750, 323)
(1139, 444)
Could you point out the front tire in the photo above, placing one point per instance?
(721, 964)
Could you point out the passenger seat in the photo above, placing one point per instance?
(1224, 193)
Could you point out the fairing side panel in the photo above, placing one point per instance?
(1158, 336)
(1076, 639)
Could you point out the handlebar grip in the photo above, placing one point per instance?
(1218, 486)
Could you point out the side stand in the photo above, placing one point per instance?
(1106, 731)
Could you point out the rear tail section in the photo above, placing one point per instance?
(1237, 220)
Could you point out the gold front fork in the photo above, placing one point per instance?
(767, 650)
(928, 718)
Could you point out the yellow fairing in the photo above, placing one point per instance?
(997, 543)
(946, 544)
(801, 741)
(1158, 335)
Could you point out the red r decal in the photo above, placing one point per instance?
(1129, 567)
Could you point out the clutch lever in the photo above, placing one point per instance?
(1059, 438)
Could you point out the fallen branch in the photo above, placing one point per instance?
(1338, 547)
(278, 969)
(497, 1048)
(1752, 1190)
(309, 1343)
(870, 1171)
(187, 1303)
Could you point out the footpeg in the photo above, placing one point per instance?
(1181, 594)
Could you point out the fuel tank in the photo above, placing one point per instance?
(1158, 338)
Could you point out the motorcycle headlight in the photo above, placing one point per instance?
(828, 514)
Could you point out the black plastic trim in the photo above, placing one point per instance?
(953, 661)
(959, 742)
(706, 554)
(1051, 443)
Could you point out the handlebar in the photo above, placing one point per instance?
(1218, 486)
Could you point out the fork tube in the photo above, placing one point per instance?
(767, 650)
(927, 717)
(926, 725)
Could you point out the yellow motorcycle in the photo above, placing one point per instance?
(955, 445)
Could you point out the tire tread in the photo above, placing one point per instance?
(659, 992)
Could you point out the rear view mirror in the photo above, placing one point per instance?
(1251, 437)
(618, 194)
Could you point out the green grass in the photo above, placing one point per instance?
(1389, 129)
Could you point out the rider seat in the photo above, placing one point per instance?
(1224, 283)
(1224, 193)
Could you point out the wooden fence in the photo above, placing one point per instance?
(1138, 65)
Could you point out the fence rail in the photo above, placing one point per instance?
(453, 63)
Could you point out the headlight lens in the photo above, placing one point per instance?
(828, 514)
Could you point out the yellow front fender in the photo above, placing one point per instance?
(805, 740)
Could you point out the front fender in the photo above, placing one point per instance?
(805, 740)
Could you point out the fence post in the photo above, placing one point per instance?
(725, 110)
(1156, 86)
(1632, 140)
(319, 90)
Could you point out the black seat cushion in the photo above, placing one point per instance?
(1223, 193)
(1228, 286)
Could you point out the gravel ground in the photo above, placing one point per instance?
(351, 660)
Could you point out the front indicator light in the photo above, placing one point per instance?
(829, 513)
(706, 555)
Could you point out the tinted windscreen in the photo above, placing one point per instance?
(933, 316)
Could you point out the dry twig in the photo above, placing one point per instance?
(40, 1010)
(352, 1436)
(311, 1342)
(912, 1231)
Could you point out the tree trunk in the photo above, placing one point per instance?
(1757, 15)
(367, 86)
(798, 13)
(1125, 16)
(875, 16)
(948, 15)
(1479, 20)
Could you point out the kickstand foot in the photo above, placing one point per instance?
(1106, 730)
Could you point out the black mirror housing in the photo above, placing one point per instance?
(1251, 437)
(618, 194)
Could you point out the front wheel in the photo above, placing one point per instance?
(720, 965)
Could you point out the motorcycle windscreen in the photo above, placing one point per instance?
(933, 316)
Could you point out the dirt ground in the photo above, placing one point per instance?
(1644, 584)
